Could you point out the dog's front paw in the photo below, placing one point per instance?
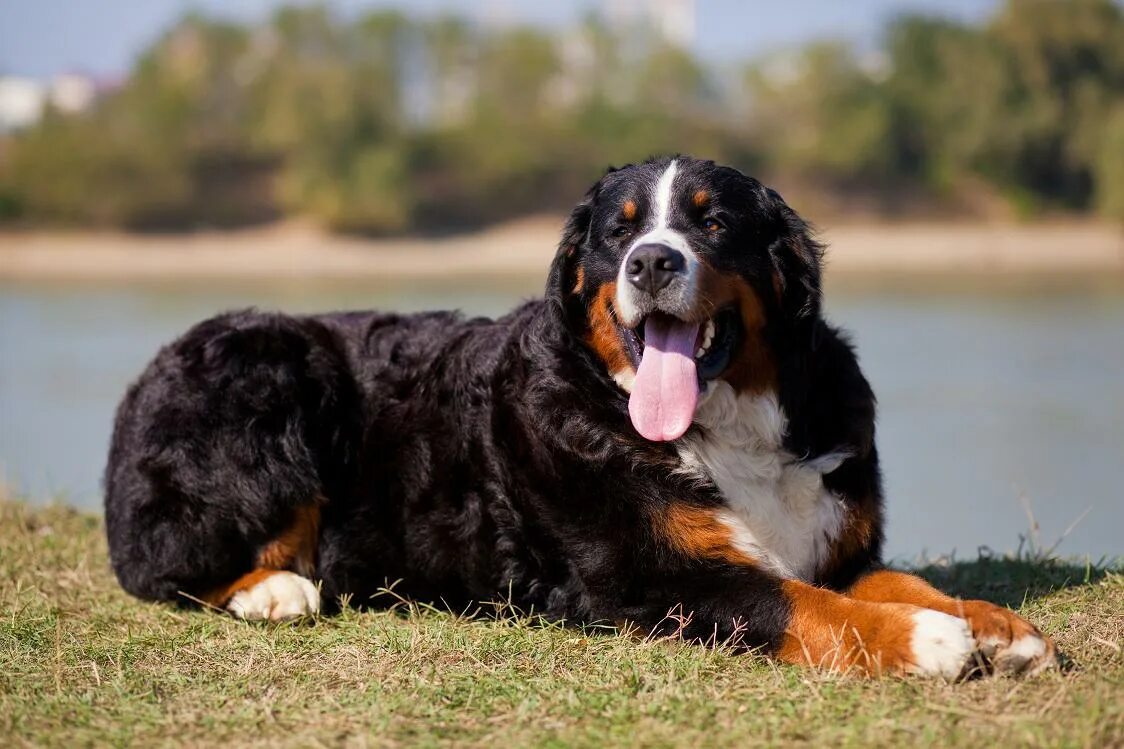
(281, 595)
(942, 645)
(1008, 643)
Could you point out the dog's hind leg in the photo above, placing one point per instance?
(279, 587)
(224, 455)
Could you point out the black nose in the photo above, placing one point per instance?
(651, 267)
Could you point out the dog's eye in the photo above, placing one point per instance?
(622, 231)
(712, 226)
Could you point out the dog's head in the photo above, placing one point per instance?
(679, 272)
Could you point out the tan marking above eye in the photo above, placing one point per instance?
(700, 198)
(628, 210)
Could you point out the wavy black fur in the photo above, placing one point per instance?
(467, 459)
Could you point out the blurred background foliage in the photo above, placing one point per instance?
(386, 124)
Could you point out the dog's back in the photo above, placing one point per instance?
(382, 427)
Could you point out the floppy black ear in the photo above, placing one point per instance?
(797, 260)
(561, 278)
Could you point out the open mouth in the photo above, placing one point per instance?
(714, 345)
(674, 361)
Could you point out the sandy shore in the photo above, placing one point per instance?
(524, 248)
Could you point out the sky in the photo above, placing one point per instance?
(40, 38)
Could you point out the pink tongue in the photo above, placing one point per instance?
(666, 388)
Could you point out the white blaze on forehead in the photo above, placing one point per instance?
(658, 233)
(663, 194)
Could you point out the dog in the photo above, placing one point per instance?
(671, 440)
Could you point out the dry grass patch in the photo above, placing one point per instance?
(84, 664)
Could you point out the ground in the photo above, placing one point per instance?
(522, 249)
(83, 663)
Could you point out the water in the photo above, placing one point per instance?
(989, 404)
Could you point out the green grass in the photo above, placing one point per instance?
(82, 663)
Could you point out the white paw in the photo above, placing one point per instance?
(282, 595)
(1026, 656)
(941, 644)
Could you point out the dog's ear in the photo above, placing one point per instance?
(797, 260)
(562, 271)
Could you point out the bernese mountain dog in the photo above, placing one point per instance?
(672, 440)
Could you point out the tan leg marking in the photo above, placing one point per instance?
(1011, 643)
(295, 548)
(827, 629)
(278, 587)
(831, 631)
(698, 533)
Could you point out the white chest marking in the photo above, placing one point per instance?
(777, 508)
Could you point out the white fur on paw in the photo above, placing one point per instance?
(282, 595)
(941, 644)
(989, 646)
(1025, 655)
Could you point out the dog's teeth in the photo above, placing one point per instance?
(708, 334)
(707, 338)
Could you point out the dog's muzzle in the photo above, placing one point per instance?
(659, 279)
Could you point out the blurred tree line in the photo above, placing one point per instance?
(386, 124)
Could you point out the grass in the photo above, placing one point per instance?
(81, 663)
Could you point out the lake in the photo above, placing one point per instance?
(992, 405)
